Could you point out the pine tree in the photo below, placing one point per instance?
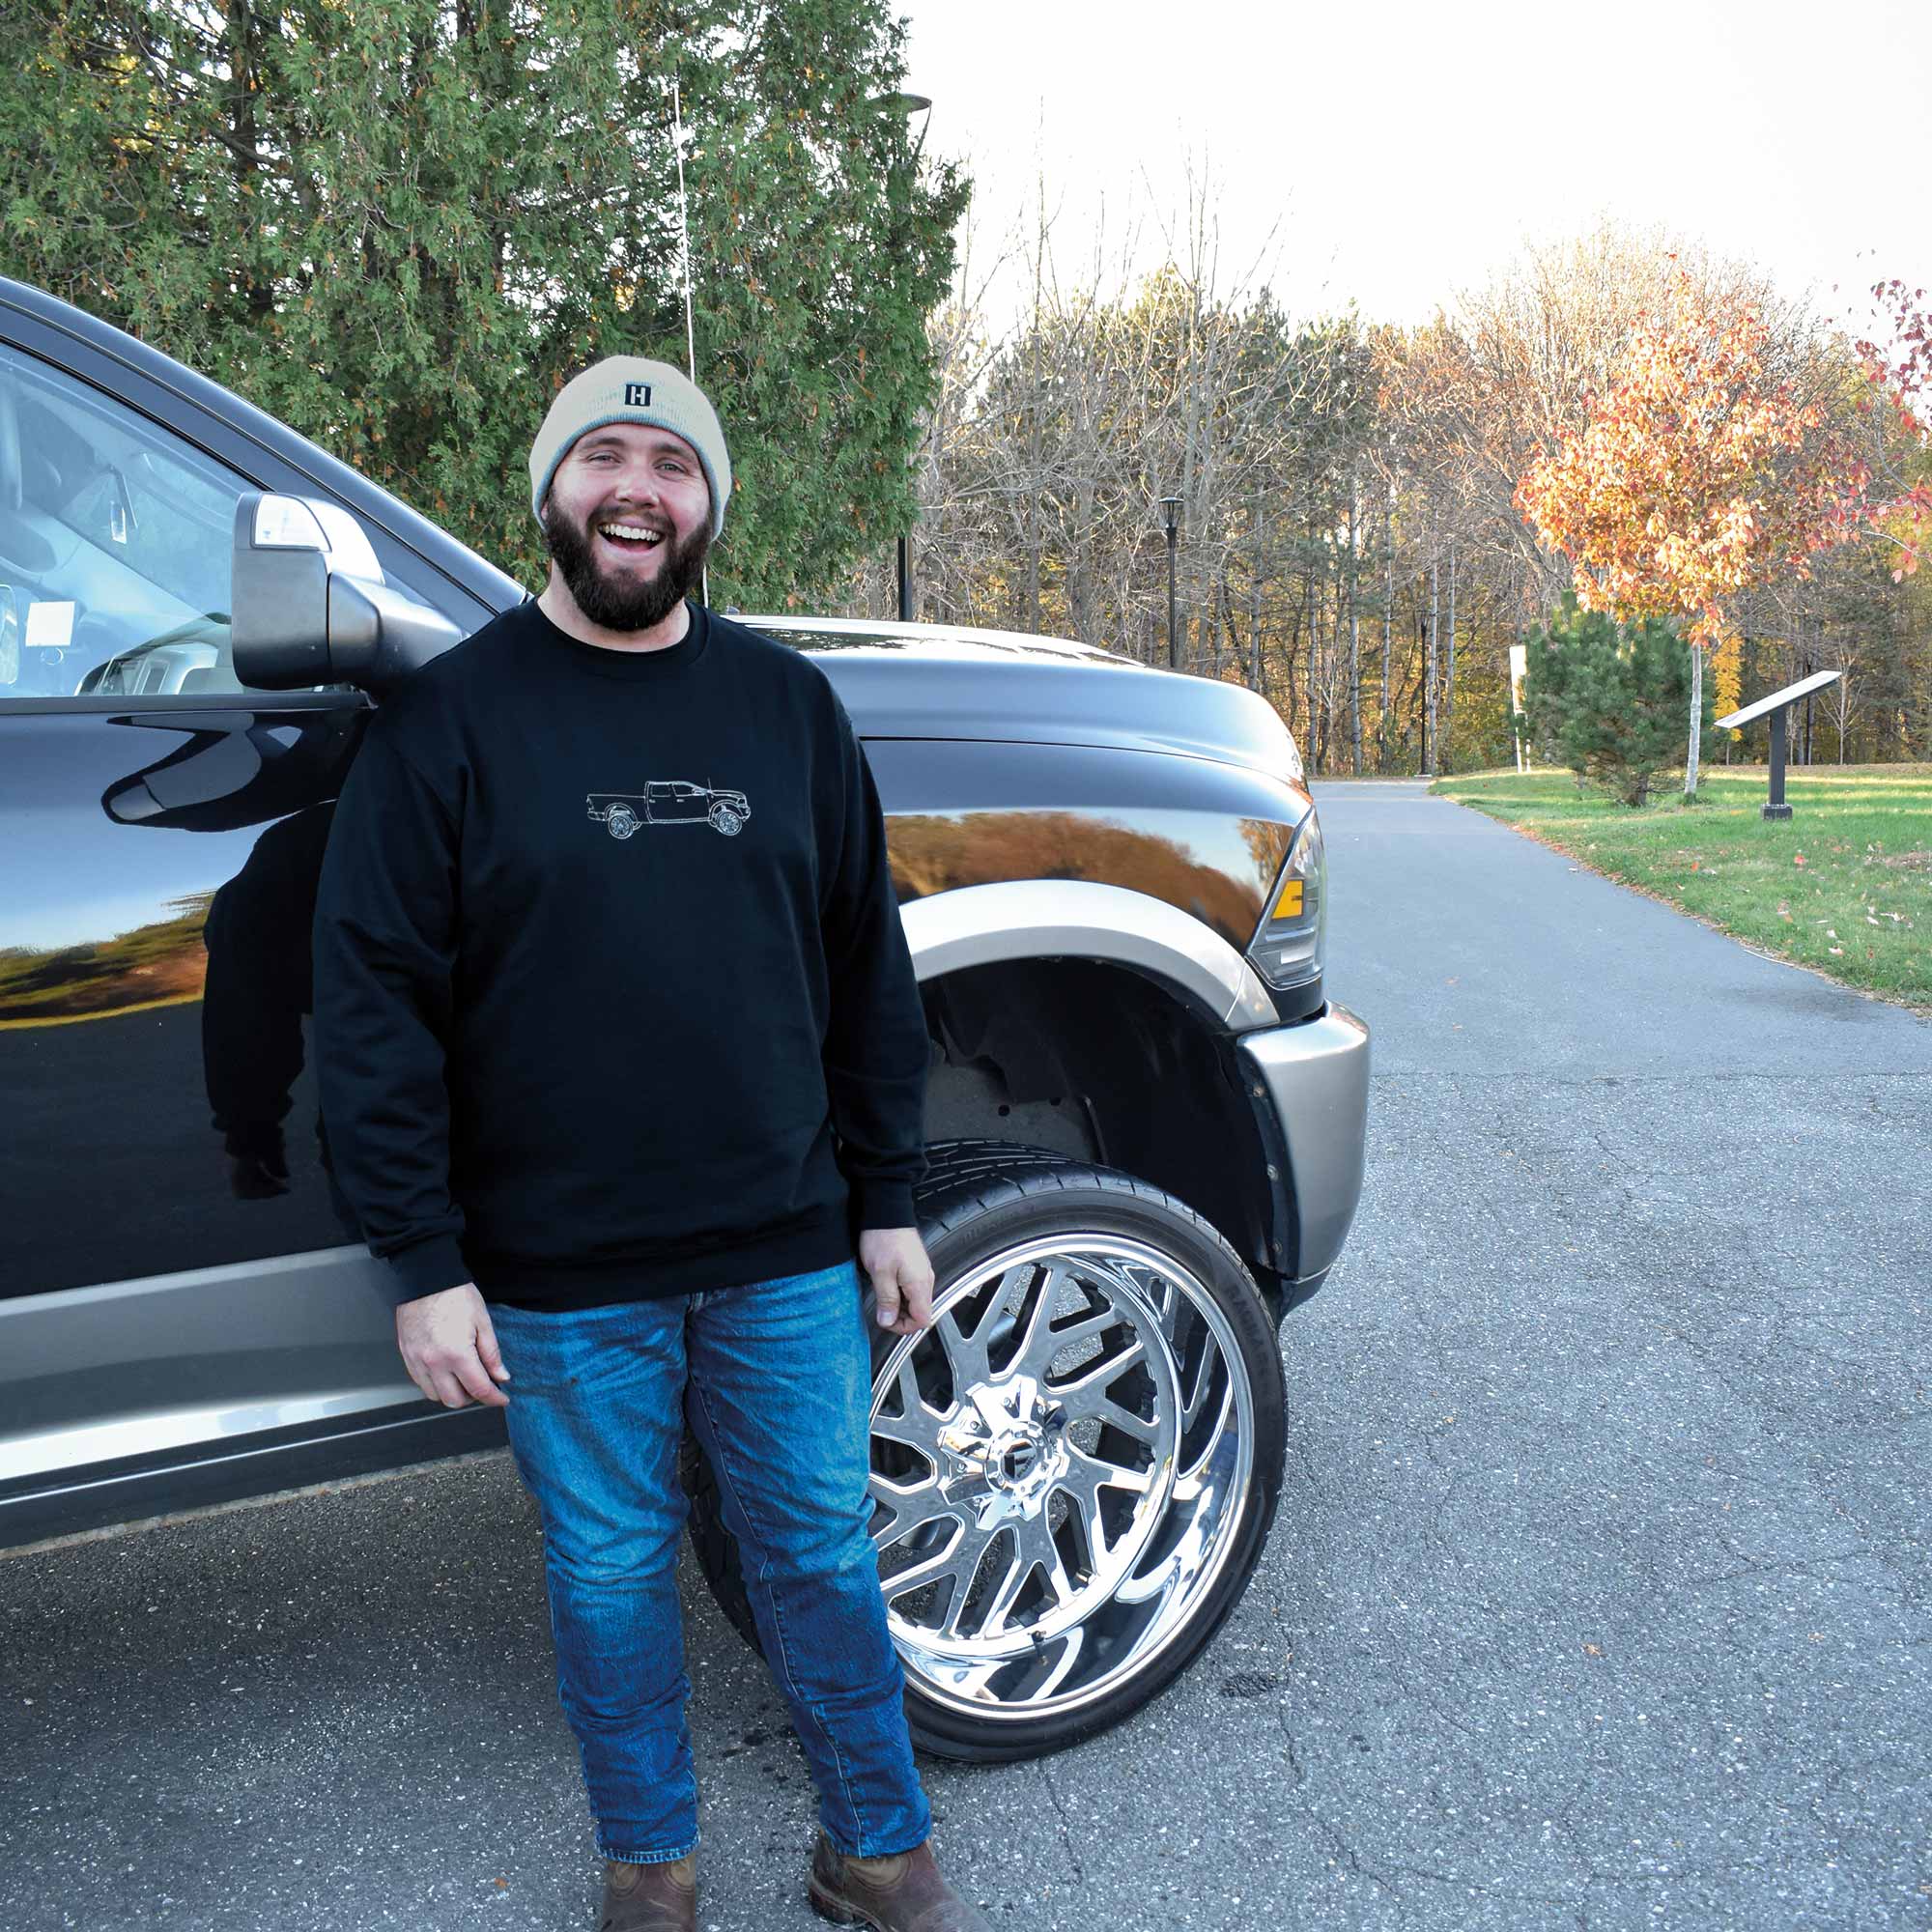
(400, 224)
(1608, 701)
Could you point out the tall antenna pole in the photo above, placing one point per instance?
(684, 251)
(683, 230)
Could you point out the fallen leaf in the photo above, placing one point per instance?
(1592, 1650)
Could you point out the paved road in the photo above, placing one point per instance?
(1597, 1599)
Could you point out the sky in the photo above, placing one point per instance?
(1398, 152)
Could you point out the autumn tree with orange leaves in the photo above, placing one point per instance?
(1899, 412)
(1711, 464)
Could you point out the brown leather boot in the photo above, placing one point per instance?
(901, 1893)
(649, 1898)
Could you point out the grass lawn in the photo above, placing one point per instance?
(1845, 885)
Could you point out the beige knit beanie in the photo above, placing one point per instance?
(635, 389)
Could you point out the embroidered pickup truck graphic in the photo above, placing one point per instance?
(670, 802)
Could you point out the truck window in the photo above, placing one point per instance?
(114, 545)
(116, 541)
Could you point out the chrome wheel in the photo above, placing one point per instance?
(1073, 1471)
(1059, 1466)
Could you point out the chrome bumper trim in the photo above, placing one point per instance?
(1313, 1080)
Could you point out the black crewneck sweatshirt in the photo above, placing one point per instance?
(612, 997)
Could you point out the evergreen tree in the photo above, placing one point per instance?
(400, 224)
(1608, 701)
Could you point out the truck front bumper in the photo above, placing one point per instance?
(1308, 1087)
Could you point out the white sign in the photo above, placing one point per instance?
(1519, 671)
(1804, 688)
(49, 626)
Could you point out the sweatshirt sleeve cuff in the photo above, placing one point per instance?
(426, 1267)
(882, 1204)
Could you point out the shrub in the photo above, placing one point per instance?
(1610, 700)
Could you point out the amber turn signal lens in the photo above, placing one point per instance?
(1289, 904)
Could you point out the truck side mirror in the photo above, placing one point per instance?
(308, 605)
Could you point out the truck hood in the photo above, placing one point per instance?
(945, 681)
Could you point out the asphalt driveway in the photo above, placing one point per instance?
(1597, 1596)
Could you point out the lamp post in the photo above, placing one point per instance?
(905, 106)
(1171, 505)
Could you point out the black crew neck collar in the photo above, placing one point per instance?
(625, 666)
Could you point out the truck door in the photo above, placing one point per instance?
(173, 1272)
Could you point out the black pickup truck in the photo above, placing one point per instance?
(1146, 1117)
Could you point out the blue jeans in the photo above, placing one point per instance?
(776, 1379)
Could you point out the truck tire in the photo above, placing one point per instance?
(1100, 1394)
(622, 821)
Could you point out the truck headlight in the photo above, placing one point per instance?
(1286, 951)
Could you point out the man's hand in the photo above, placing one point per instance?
(894, 1261)
(450, 1348)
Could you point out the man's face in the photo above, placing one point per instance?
(628, 522)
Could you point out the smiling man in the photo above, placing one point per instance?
(622, 1064)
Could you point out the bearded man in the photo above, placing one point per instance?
(622, 1064)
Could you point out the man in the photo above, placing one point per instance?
(621, 1058)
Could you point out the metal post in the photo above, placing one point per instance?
(1778, 710)
(1776, 807)
(905, 581)
(1173, 660)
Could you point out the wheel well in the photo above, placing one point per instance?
(1104, 1064)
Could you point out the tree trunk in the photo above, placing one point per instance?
(1081, 578)
(1449, 697)
(1034, 428)
(1255, 599)
(1388, 620)
(1696, 719)
(1431, 745)
(259, 291)
(1731, 736)
(1313, 671)
(1354, 640)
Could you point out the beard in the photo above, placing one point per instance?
(622, 604)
